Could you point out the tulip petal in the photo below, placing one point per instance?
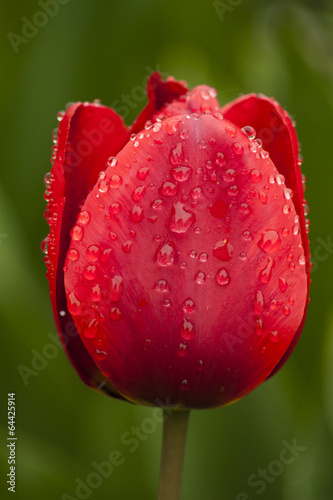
(88, 135)
(276, 130)
(159, 94)
(189, 282)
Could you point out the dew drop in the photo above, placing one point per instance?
(249, 131)
(127, 246)
(283, 285)
(181, 174)
(114, 208)
(223, 250)
(138, 193)
(166, 253)
(100, 355)
(259, 326)
(115, 181)
(181, 218)
(200, 277)
(220, 159)
(91, 330)
(166, 303)
(111, 162)
(176, 156)
(73, 304)
(231, 132)
(172, 126)
(116, 285)
(187, 329)
(95, 293)
(77, 233)
(90, 272)
(286, 310)
(275, 336)
(259, 302)
(222, 277)
(113, 236)
(203, 257)
(168, 188)
(269, 241)
(302, 260)
(93, 253)
(266, 273)
(262, 197)
(142, 173)
(83, 218)
(103, 187)
(114, 314)
(162, 286)
(44, 245)
(181, 351)
(218, 209)
(255, 175)
(196, 192)
(136, 214)
(188, 306)
(238, 148)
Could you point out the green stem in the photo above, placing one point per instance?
(173, 450)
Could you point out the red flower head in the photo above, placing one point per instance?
(178, 259)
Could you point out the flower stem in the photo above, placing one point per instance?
(173, 450)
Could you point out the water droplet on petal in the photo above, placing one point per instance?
(266, 273)
(93, 252)
(249, 131)
(95, 293)
(203, 257)
(259, 303)
(90, 272)
(218, 209)
(127, 246)
(176, 156)
(115, 181)
(114, 208)
(283, 284)
(286, 310)
(83, 218)
(181, 218)
(255, 175)
(181, 174)
(44, 245)
(172, 126)
(262, 197)
(166, 253)
(91, 330)
(77, 233)
(142, 173)
(269, 241)
(222, 277)
(223, 250)
(188, 306)
(73, 304)
(275, 336)
(138, 193)
(238, 148)
(116, 285)
(220, 159)
(162, 286)
(196, 192)
(136, 214)
(115, 314)
(168, 188)
(187, 329)
(73, 254)
(200, 277)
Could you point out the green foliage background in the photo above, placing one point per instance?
(97, 49)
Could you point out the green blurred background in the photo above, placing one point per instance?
(97, 49)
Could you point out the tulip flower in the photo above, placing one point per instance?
(178, 257)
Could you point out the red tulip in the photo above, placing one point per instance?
(178, 258)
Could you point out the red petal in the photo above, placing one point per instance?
(277, 132)
(88, 135)
(189, 307)
(159, 94)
